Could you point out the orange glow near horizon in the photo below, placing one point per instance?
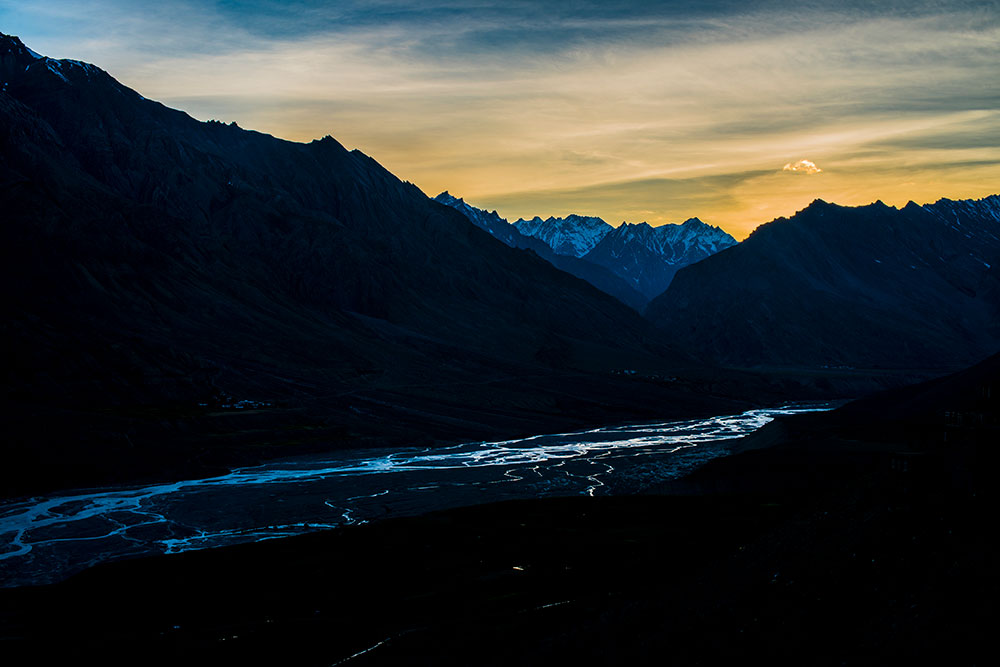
(625, 111)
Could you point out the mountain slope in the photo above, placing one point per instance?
(862, 287)
(598, 276)
(648, 257)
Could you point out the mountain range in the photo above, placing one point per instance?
(163, 270)
(600, 277)
(832, 287)
(644, 258)
(648, 257)
(187, 296)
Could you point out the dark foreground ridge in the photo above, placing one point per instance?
(854, 537)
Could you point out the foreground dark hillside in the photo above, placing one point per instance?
(184, 296)
(831, 541)
(833, 286)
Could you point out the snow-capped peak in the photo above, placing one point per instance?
(574, 235)
(19, 59)
(648, 257)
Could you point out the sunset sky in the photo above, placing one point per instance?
(735, 112)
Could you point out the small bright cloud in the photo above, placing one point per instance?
(802, 167)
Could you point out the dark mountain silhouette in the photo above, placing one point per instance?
(834, 286)
(598, 276)
(164, 272)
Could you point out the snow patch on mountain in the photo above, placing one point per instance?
(55, 67)
(976, 219)
(950, 211)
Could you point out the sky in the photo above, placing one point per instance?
(736, 112)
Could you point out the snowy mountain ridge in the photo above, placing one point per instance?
(574, 235)
(647, 257)
(600, 277)
(644, 257)
(675, 242)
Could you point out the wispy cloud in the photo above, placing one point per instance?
(538, 104)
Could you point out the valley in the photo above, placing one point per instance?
(267, 402)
